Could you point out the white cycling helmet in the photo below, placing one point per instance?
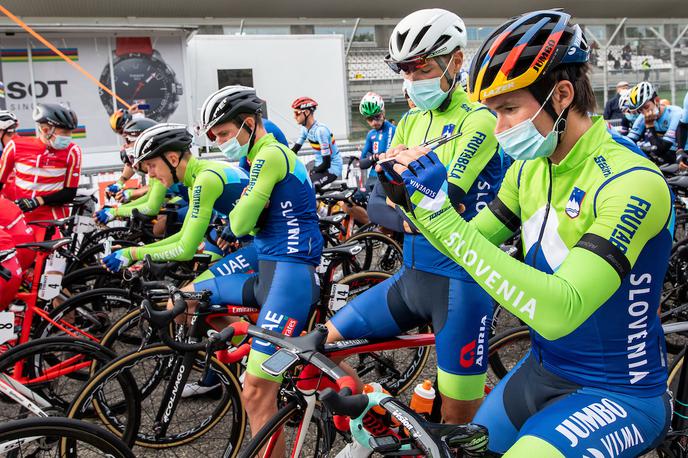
(8, 120)
(640, 94)
(624, 100)
(371, 105)
(424, 34)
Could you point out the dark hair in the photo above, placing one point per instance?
(243, 116)
(578, 75)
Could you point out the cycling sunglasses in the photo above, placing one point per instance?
(407, 66)
(377, 117)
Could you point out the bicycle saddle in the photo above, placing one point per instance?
(48, 245)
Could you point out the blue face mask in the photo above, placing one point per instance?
(60, 141)
(232, 149)
(427, 94)
(523, 141)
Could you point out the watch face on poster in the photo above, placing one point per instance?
(142, 79)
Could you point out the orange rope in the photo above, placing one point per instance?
(24, 26)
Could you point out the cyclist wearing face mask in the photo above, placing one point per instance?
(164, 152)
(629, 116)
(656, 124)
(596, 220)
(328, 161)
(278, 206)
(47, 168)
(427, 48)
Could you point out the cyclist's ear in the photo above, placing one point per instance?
(563, 96)
(457, 61)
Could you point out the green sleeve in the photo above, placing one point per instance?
(472, 150)
(501, 218)
(148, 204)
(268, 168)
(182, 246)
(555, 304)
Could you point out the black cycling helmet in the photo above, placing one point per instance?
(524, 49)
(55, 115)
(135, 126)
(159, 139)
(226, 105)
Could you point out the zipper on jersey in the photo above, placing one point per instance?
(544, 221)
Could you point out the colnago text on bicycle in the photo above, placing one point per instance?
(426, 47)
(596, 221)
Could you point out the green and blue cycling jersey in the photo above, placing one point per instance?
(665, 126)
(474, 165)
(377, 142)
(597, 233)
(278, 206)
(322, 141)
(210, 186)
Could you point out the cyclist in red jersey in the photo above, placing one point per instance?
(13, 222)
(8, 127)
(46, 167)
(10, 270)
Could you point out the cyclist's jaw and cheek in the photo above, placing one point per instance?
(375, 122)
(226, 131)
(648, 110)
(156, 168)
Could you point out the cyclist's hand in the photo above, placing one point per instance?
(26, 205)
(104, 215)
(116, 261)
(124, 195)
(226, 239)
(393, 151)
(114, 188)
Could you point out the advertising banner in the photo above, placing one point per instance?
(144, 70)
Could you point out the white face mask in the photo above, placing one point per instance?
(523, 141)
(427, 94)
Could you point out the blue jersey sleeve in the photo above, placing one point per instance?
(637, 129)
(324, 137)
(303, 136)
(670, 134)
(272, 128)
(368, 146)
(684, 117)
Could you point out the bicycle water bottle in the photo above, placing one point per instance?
(423, 398)
(377, 388)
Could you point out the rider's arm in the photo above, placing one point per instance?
(183, 245)
(366, 161)
(149, 204)
(324, 165)
(556, 304)
(472, 151)
(302, 139)
(324, 137)
(682, 134)
(637, 129)
(268, 168)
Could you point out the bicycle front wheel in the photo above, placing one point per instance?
(61, 437)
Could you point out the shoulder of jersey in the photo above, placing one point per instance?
(619, 155)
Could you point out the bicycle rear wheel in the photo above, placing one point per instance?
(59, 437)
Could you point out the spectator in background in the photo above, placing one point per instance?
(645, 64)
(611, 109)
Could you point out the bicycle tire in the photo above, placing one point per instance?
(89, 278)
(91, 321)
(373, 257)
(519, 335)
(34, 353)
(284, 416)
(69, 431)
(140, 427)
